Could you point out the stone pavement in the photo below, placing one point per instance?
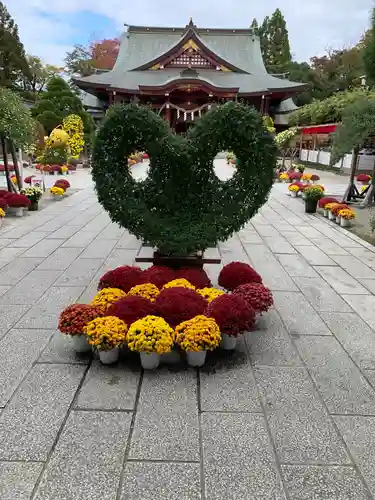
(289, 416)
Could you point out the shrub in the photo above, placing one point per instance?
(257, 296)
(131, 308)
(232, 314)
(158, 275)
(237, 273)
(326, 199)
(18, 200)
(179, 304)
(74, 318)
(197, 277)
(123, 277)
(183, 207)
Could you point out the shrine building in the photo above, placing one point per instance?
(182, 72)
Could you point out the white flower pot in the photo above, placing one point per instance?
(80, 343)
(331, 216)
(149, 360)
(293, 194)
(19, 212)
(57, 197)
(325, 212)
(109, 357)
(345, 222)
(228, 342)
(196, 358)
(338, 219)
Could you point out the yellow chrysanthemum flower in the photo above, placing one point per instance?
(150, 334)
(146, 290)
(180, 282)
(210, 294)
(106, 297)
(198, 334)
(2, 213)
(106, 333)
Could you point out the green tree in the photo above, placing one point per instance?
(255, 27)
(369, 52)
(16, 128)
(58, 102)
(13, 63)
(279, 48)
(34, 83)
(79, 61)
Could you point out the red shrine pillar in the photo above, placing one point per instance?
(167, 114)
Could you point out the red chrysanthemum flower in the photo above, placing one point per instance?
(363, 178)
(179, 304)
(196, 276)
(131, 308)
(62, 183)
(315, 177)
(4, 192)
(257, 296)
(27, 180)
(158, 275)
(232, 314)
(75, 317)
(18, 200)
(3, 203)
(295, 175)
(237, 273)
(123, 277)
(327, 199)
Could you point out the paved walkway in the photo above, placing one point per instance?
(289, 416)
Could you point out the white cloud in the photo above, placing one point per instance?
(313, 27)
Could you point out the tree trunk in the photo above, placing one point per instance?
(15, 163)
(369, 198)
(5, 156)
(353, 168)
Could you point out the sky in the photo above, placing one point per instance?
(49, 28)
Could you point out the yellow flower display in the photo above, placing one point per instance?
(320, 186)
(73, 125)
(293, 188)
(179, 282)
(328, 206)
(146, 290)
(198, 334)
(210, 294)
(64, 169)
(106, 297)
(284, 176)
(150, 334)
(57, 191)
(347, 213)
(106, 333)
(306, 177)
(2, 213)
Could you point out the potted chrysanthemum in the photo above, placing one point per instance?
(57, 193)
(312, 196)
(346, 216)
(196, 336)
(107, 335)
(151, 336)
(2, 215)
(33, 194)
(293, 190)
(72, 321)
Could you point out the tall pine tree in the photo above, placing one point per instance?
(13, 63)
(255, 27)
(278, 55)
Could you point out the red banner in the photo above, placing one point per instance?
(319, 129)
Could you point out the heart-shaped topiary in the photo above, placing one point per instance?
(182, 207)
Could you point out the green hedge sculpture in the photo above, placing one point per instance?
(182, 207)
